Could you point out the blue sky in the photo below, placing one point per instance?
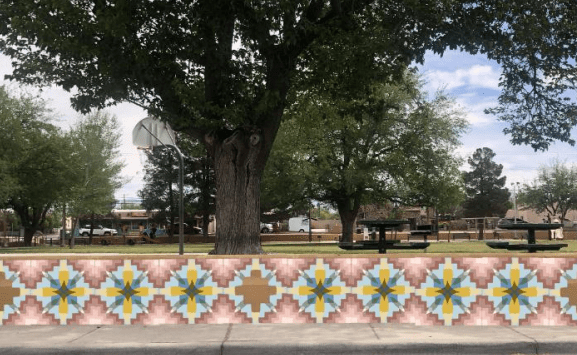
(471, 80)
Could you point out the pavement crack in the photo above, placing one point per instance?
(374, 331)
(227, 335)
(528, 337)
(83, 335)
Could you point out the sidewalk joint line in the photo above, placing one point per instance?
(374, 331)
(526, 336)
(83, 335)
(227, 335)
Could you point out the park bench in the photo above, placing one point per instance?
(461, 236)
(422, 231)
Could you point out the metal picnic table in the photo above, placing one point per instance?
(383, 244)
(531, 246)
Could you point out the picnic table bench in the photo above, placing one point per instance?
(422, 231)
(374, 244)
(382, 244)
(531, 246)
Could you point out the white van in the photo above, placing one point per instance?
(298, 224)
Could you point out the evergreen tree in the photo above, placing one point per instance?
(161, 191)
(486, 194)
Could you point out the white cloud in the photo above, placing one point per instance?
(481, 76)
(474, 108)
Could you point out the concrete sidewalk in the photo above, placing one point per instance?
(287, 339)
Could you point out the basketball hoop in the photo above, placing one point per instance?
(149, 133)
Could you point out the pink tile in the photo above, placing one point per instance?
(548, 313)
(31, 275)
(290, 273)
(98, 274)
(159, 312)
(482, 313)
(95, 314)
(223, 311)
(287, 311)
(151, 266)
(415, 313)
(345, 269)
(351, 311)
(548, 269)
(416, 267)
(482, 268)
(31, 314)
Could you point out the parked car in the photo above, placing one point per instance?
(266, 227)
(158, 233)
(187, 229)
(98, 230)
(510, 221)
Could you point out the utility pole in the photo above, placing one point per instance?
(310, 225)
(63, 234)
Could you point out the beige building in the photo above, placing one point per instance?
(533, 217)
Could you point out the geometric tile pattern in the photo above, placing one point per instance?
(436, 290)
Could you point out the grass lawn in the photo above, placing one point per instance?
(472, 247)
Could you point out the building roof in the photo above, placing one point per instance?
(533, 217)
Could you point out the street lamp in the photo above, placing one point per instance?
(149, 133)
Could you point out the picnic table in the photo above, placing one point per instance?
(531, 246)
(422, 230)
(382, 244)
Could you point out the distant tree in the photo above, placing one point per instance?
(371, 148)
(553, 191)
(486, 194)
(160, 191)
(38, 159)
(201, 191)
(96, 139)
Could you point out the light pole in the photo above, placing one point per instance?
(515, 190)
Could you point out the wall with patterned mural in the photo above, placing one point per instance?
(419, 290)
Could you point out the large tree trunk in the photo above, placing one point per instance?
(238, 168)
(28, 235)
(348, 211)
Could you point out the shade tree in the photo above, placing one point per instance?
(553, 191)
(393, 145)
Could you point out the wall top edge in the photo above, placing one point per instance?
(275, 256)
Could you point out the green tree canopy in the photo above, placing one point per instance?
(486, 194)
(37, 157)
(393, 144)
(160, 191)
(96, 141)
(553, 191)
(221, 70)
